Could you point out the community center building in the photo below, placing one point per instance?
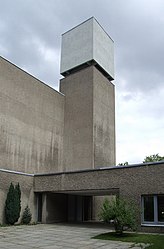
(60, 146)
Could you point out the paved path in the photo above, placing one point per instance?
(56, 237)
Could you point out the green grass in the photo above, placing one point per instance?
(155, 241)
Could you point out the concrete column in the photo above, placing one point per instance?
(44, 208)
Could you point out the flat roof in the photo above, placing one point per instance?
(103, 168)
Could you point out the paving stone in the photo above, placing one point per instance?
(56, 236)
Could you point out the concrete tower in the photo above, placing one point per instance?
(87, 64)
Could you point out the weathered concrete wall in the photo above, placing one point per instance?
(31, 122)
(27, 194)
(89, 124)
(103, 120)
(78, 121)
(132, 182)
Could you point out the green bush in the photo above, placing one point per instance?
(18, 200)
(13, 204)
(26, 218)
(120, 213)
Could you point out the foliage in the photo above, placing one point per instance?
(18, 201)
(26, 218)
(147, 159)
(9, 205)
(13, 204)
(153, 158)
(120, 212)
(153, 241)
(123, 164)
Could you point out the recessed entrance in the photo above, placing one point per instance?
(79, 208)
(74, 206)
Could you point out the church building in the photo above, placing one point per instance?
(60, 145)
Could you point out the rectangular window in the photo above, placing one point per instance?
(153, 209)
(160, 201)
(149, 208)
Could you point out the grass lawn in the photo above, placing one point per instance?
(155, 241)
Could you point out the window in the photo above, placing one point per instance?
(153, 209)
(148, 208)
(160, 201)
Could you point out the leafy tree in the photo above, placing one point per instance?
(121, 213)
(153, 158)
(12, 205)
(26, 218)
(123, 164)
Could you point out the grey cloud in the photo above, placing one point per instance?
(136, 26)
(24, 22)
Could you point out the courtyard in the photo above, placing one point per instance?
(57, 236)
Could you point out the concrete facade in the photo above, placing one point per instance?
(31, 122)
(89, 122)
(85, 43)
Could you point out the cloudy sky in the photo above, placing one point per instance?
(30, 37)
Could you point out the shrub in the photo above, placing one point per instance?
(26, 218)
(13, 204)
(18, 200)
(120, 213)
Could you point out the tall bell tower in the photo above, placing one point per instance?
(87, 64)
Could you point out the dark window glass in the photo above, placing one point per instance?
(148, 208)
(39, 207)
(160, 202)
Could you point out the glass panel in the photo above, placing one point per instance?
(39, 207)
(160, 208)
(148, 208)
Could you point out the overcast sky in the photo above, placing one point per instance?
(30, 37)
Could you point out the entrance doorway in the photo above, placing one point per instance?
(87, 208)
(79, 208)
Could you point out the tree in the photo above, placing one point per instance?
(26, 218)
(153, 158)
(17, 201)
(121, 213)
(12, 205)
(123, 164)
(9, 206)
